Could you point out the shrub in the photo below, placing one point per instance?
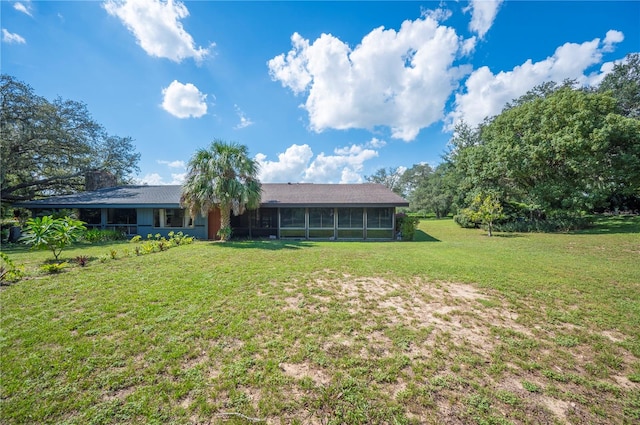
(464, 220)
(224, 233)
(406, 225)
(148, 247)
(485, 209)
(103, 235)
(157, 242)
(53, 268)
(52, 233)
(9, 272)
(82, 260)
(549, 225)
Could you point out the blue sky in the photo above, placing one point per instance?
(319, 91)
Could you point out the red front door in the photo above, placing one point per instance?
(213, 224)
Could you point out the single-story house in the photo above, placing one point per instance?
(287, 210)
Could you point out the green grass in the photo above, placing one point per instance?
(453, 328)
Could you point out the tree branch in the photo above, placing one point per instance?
(47, 181)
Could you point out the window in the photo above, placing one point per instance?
(265, 218)
(350, 218)
(292, 217)
(379, 218)
(171, 217)
(122, 216)
(122, 220)
(321, 218)
(90, 215)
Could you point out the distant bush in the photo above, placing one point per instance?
(549, 225)
(406, 225)
(464, 219)
(103, 235)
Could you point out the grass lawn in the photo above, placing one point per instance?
(454, 328)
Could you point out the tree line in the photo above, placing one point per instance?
(558, 151)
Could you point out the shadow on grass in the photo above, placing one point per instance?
(268, 244)
(612, 225)
(421, 236)
(508, 235)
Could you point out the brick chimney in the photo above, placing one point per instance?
(99, 179)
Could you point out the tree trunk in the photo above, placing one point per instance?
(225, 222)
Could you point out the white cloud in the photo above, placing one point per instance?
(184, 100)
(157, 26)
(346, 163)
(612, 38)
(172, 164)
(23, 7)
(400, 79)
(155, 179)
(376, 143)
(289, 167)
(178, 178)
(152, 179)
(11, 38)
(297, 164)
(486, 93)
(483, 13)
(291, 70)
(244, 121)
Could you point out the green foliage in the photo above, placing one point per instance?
(531, 387)
(624, 84)
(225, 233)
(222, 176)
(158, 243)
(464, 219)
(435, 192)
(556, 149)
(52, 234)
(47, 146)
(392, 178)
(566, 223)
(53, 268)
(406, 225)
(485, 209)
(148, 247)
(9, 272)
(103, 235)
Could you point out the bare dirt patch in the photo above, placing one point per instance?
(479, 337)
(302, 370)
(446, 307)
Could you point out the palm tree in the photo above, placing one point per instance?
(222, 176)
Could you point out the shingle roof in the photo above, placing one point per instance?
(130, 196)
(273, 195)
(330, 195)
